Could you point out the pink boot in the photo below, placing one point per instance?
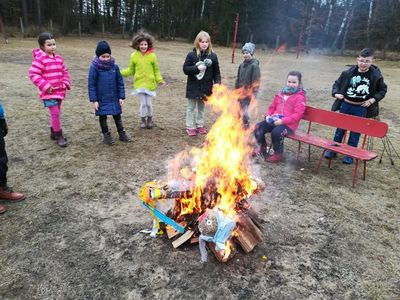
(274, 158)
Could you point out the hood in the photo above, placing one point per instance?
(252, 61)
(37, 52)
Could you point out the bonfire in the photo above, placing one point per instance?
(210, 187)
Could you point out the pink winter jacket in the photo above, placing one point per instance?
(292, 108)
(49, 71)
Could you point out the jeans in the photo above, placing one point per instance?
(192, 121)
(354, 110)
(277, 135)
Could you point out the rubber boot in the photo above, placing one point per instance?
(108, 139)
(143, 122)
(60, 139)
(149, 122)
(52, 134)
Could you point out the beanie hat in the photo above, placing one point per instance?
(103, 47)
(249, 47)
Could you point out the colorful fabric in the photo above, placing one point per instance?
(144, 69)
(49, 72)
(103, 64)
(288, 90)
(292, 108)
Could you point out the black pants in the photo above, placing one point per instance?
(3, 162)
(277, 135)
(118, 123)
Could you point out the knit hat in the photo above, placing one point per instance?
(249, 47)
(102, 47)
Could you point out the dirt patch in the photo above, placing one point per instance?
(77, 234)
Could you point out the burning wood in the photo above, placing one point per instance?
(210, 187)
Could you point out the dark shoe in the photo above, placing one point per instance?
(6, 193)
(3, 209)
(329, 154)
(347, 160)
(52, 134)
(201, 130)
(143, 122)
(274, 158)
(60, 139)
(149, 122)
(123, 137)
(108, 139)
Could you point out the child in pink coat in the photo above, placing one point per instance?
(49, 73)
(282, 118)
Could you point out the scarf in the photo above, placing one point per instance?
(103, 64)
(290, 90)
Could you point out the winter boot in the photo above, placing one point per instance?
(123, 137)
(143, 122)
(149, 122)
(52, 134)
(60, 139)
(108, 139)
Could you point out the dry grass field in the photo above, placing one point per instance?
(77, 234)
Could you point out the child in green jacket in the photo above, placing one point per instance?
(143, 66)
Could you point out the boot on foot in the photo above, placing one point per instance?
(60, 139)
(52, 134)
(7, 194)
(149, 122)
(108, 139)
(274, 158)
(143, 122)
(3, 209)
(123, 137)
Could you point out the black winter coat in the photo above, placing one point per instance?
(377, 89)
(198, 89)
(249, 75)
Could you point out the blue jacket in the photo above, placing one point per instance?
(106, 87)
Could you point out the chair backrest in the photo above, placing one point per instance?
(361, 125)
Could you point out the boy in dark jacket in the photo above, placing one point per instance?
(107, 91)
(248, 79)
(360, 88)
(6, 193)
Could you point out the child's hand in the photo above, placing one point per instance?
(201, 67)
(278, 122)
(339, 96)
(121, 102)
(163, 84)
(50, 90)
(96, 105)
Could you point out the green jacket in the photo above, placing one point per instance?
(144, 69)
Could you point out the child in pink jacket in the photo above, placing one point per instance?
(282, 118)
(49, 73)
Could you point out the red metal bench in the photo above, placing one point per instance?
(367, 127)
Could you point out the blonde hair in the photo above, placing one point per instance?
(202, 35)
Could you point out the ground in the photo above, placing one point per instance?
(77, 234)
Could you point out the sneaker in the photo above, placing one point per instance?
(258, 151)
(347, 160)
(274, 158)
(201, 130)
(6, 193)
(330, 154)
(191, 131)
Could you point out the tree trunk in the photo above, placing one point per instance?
(342, 26)
(39, 13)
(371, 6)
(24, 12)
(309, 26)
(347, 30)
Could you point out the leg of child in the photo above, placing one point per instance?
(200, 114)
(120, 128)
(277, 135)
(107, 139)
(143, 109)
(55, 117)
(191, 106)
(149, 103)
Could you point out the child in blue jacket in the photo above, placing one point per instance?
(107, 91)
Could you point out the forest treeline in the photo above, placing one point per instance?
(328, 24)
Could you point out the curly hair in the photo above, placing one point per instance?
(139, 37)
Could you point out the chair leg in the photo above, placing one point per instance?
(298, 151)
(309, 152)
(319, 162)
(365, 170)
(355, 173)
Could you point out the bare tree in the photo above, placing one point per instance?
(343, 24)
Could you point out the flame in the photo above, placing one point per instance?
(220, 169)
(281, 49)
